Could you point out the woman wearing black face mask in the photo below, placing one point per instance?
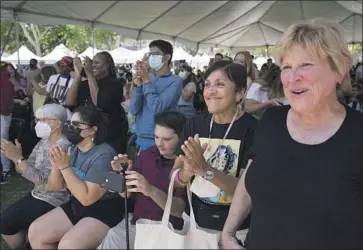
(82, 222)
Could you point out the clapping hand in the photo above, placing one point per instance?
(59, 158)
(194, 161)
(12, 151)
(87, 65)
(119, 161)
(77, 66)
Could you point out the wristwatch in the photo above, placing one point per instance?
(209, 174)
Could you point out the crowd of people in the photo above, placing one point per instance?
(272, 156)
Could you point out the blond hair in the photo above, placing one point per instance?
(322, 39)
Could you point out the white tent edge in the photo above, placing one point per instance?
(45, 19)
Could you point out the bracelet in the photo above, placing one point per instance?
(178, 180)
(64, 168)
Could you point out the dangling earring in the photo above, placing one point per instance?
(93, 138)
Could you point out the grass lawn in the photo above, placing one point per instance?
(11, 192)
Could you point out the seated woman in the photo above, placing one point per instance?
(227, 131)
(265, 92)
(103, 90)
(16, 219)
(82, 222)
(305, 176)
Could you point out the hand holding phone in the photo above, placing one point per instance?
(115, 181)
(121, 163)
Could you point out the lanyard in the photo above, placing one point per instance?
(224, 137)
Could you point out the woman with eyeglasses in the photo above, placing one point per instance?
(83, 222)
(17, 218)
(214, 146)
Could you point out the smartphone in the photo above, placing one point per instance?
(114, 182)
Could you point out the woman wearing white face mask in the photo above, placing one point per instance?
(185, 104)
(16, 220)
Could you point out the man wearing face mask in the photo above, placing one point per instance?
(155, 90)
(31, 74)
(16, 219)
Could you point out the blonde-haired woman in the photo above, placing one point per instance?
(244, 58)
(304, 177)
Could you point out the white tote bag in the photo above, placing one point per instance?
(161, 234)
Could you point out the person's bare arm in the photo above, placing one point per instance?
(253, 106)
(38, 87)
(72, 94)
(240, 208)
(225, 182)
(187, 94)
(55, 180)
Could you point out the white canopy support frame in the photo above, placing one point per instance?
(198, 24)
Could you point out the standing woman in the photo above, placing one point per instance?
(305, 176)
(244, 58)
(185, 104)
(101, 89)
(227, 131)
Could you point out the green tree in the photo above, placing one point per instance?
(34, 34)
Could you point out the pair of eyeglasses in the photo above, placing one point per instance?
(43, 120)
(76, 123)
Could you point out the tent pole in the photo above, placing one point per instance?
(267, 54)
(17, 36)
(93, 39)
(6, 40)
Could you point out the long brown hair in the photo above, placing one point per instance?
(248, 64)
(271, 83)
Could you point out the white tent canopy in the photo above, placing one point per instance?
(90, 52)
(231, 24)
(25, 55)
(180, 54)
(122, 55)
(57, 53)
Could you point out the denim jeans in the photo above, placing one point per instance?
(4, 128)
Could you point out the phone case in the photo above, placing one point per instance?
(114, 182)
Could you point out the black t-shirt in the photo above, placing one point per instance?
(306, 196)
(212, 212)
(110, 96)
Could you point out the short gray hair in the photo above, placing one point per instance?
(52, 111)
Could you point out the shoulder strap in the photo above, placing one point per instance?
(54, 85)
(66, 86)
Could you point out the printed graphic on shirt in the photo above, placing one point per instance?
(58, 87)
(223, 158)
(59, 92)
(79, 173)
